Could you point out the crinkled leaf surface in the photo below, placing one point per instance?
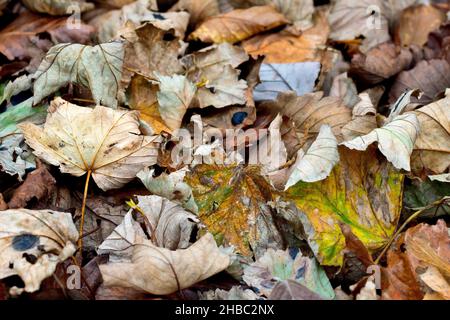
(58, 7)
(232, 204)
(104, 141)
(176, 270)
(363, 191)
(97, 68)
(277, 265)
(46, 236)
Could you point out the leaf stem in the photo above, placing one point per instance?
(83, 210)
(408, 221)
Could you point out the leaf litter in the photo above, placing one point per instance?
(225, 150)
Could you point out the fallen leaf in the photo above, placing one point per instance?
(277, 78)
(232, 204)
(407, 33)
(432, 148)
(344, 87)
(200, 10)
(430, 77)
(170, 186)
(24, 38)
(83, 65)
(176, 270)
(214, 67)
(114, 151)
(380, 63)
(235, 293)
(363, 192)
(276, 266)
(174, 97)
(318, 161)
(238, 25)
(33, 243)
(38, 185)
(395, 140)
(421, 194)
(284, 47)
(58, 7)
(292, 290)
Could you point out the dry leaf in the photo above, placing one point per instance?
(432, 149)
(284, 47)
(176, 270)
(58, 7)
(238, 25)
(407, 32)
(431, 77)
(38, 185)
(174, 97)
(83, 65)
(213, 70)
(113, 150)
(33, 243)
(200, 10)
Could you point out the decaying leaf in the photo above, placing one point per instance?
(170, 186)
(97, 68)
(238, 25)
(113, 150)
(363, 192)
(213, 70)
(176, 270)
(292, 290)
(200, 10)
(395, 140)
(232, 204)
(235, 293)
(33, 243)
(277, 265)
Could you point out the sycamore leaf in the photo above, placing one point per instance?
(362, 192)
(170, 186)
(33, 243)
(395, 140)
(238, 25)
(97, 68)
(106, 142)
(276, 78)
(232, 204)
(174, 97)
(176, 270)
(277, 265)
(318, 162)
(57, 7)
(432, 148)
(215, 69)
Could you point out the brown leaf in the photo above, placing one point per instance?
(380, 63)
(292, 290)
(284, 47)
(431, 77)
(39, 185)
(20, 39)
(238, 25)
(199, 10)
(3, 204)
(427, 17)
(57, 7)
